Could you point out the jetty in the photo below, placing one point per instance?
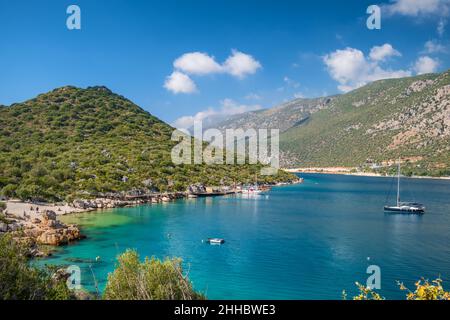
(215, 193)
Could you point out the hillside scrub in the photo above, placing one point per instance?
(74, 142)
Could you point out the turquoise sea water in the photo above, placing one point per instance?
(308, 241)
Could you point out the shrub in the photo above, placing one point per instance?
(152, 279)
(424, 291)
(20, 281)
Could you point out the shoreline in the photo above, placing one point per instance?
(37, 223)
(347, 172)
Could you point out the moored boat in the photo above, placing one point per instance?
(404, 207)
(215, 241)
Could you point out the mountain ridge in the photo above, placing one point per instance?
(370, 127)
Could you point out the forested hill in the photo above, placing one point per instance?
(78, 142)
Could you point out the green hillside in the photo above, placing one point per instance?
(370, 127)
(71, 142)
(282, 117)
(405, 118)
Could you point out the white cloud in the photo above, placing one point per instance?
(416, 8)
(188, 121)
(381, 53)
(240, 64)
(433, 46)
(426, 64)
(298, 95)
(421, 9)
(351, 69)
(197, 63)
(228, 107)
(179, 82)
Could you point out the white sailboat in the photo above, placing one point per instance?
(404, 207)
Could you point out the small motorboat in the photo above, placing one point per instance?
(215, 241)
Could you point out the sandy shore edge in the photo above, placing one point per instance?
(20, 208)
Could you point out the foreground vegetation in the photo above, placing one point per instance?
(74, 142)
(424, 290)
(20, 281)
(132, 280)
(152, 279)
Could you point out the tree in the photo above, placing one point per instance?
(152, 279)
(9, 190)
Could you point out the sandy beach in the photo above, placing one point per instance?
(19, 208)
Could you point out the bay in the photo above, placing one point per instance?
(306, 241)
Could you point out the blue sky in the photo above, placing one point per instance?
(232, 55)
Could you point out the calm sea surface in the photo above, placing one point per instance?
(308, 241)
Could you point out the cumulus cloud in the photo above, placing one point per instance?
(421, 9)
(381, 53)
(426, 64)
(197, 63)
(352, 69)
(238, 64)
(416, 8)
(179, 82)
(228, 107)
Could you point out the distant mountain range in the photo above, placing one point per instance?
(370, 127)
(74, 142)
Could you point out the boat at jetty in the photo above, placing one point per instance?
(402, 206)
(214, 193)
(253, 189)
(203, 191)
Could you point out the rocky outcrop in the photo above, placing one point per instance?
(46, 230)
(126, 201)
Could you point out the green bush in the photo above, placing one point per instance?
(20, 281)
(152, 279)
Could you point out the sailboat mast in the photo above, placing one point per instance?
(398, 185)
